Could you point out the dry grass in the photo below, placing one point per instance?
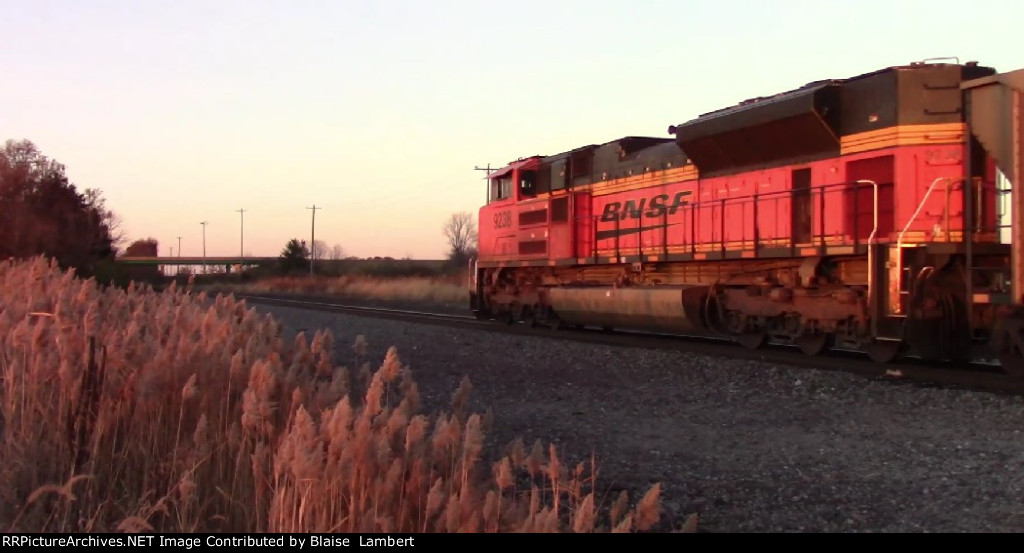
(434, 290)
(142, 411)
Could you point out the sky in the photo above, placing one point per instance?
(379, 111)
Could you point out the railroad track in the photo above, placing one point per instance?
(980, 376)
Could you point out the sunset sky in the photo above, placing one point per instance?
(379, 110)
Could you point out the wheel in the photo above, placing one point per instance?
(814, 344)
(885, 351)
(515, 313)
(534, 315)
(1013, 365)
(940, 331)
(1008, 343)
(956, 330)
(752, 340)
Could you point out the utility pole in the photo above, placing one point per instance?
(204, 245)
(177, 268)
(241, 240)
(487, 188)
(312, 239)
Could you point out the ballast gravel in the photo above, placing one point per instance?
(748, 446)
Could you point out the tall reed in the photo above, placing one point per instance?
(132, 410)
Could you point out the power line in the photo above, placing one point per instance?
(488, 169)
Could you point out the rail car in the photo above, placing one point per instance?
(877, 213)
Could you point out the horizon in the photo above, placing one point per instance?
(379, 112)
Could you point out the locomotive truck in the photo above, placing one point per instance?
(879, 213)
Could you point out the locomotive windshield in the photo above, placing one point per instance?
(528, 183)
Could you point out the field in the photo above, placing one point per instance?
(447, 291)
(411, 282)
(135, 410)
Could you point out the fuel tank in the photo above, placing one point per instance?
(667, 309)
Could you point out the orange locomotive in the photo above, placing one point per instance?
(862, 213)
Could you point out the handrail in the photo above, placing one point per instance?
(897, 308)
(695, 211)
(471, 267)
(871, 251)
(945, 214)
(920, 206)
(757, 198)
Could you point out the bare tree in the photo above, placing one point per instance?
(115, 225)
(460, 232)
(337, 253)
(320, 250)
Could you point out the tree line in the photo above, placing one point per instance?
(43, 213)
(459, 231)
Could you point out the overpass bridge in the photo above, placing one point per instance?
(192, 260)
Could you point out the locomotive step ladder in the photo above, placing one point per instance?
(898, 275)
(897, 280)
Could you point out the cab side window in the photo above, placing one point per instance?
(501, 188)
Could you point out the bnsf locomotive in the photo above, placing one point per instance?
(868, 213)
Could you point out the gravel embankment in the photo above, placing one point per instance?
(748, 446)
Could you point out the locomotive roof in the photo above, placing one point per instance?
(819, 113)
(523, 163)
(816, 85)
(760, 101)
(784, 104)
(629, 143)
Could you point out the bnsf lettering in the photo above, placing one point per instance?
(503, 219)
(634, 209)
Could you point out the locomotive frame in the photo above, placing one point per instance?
(863, 213)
